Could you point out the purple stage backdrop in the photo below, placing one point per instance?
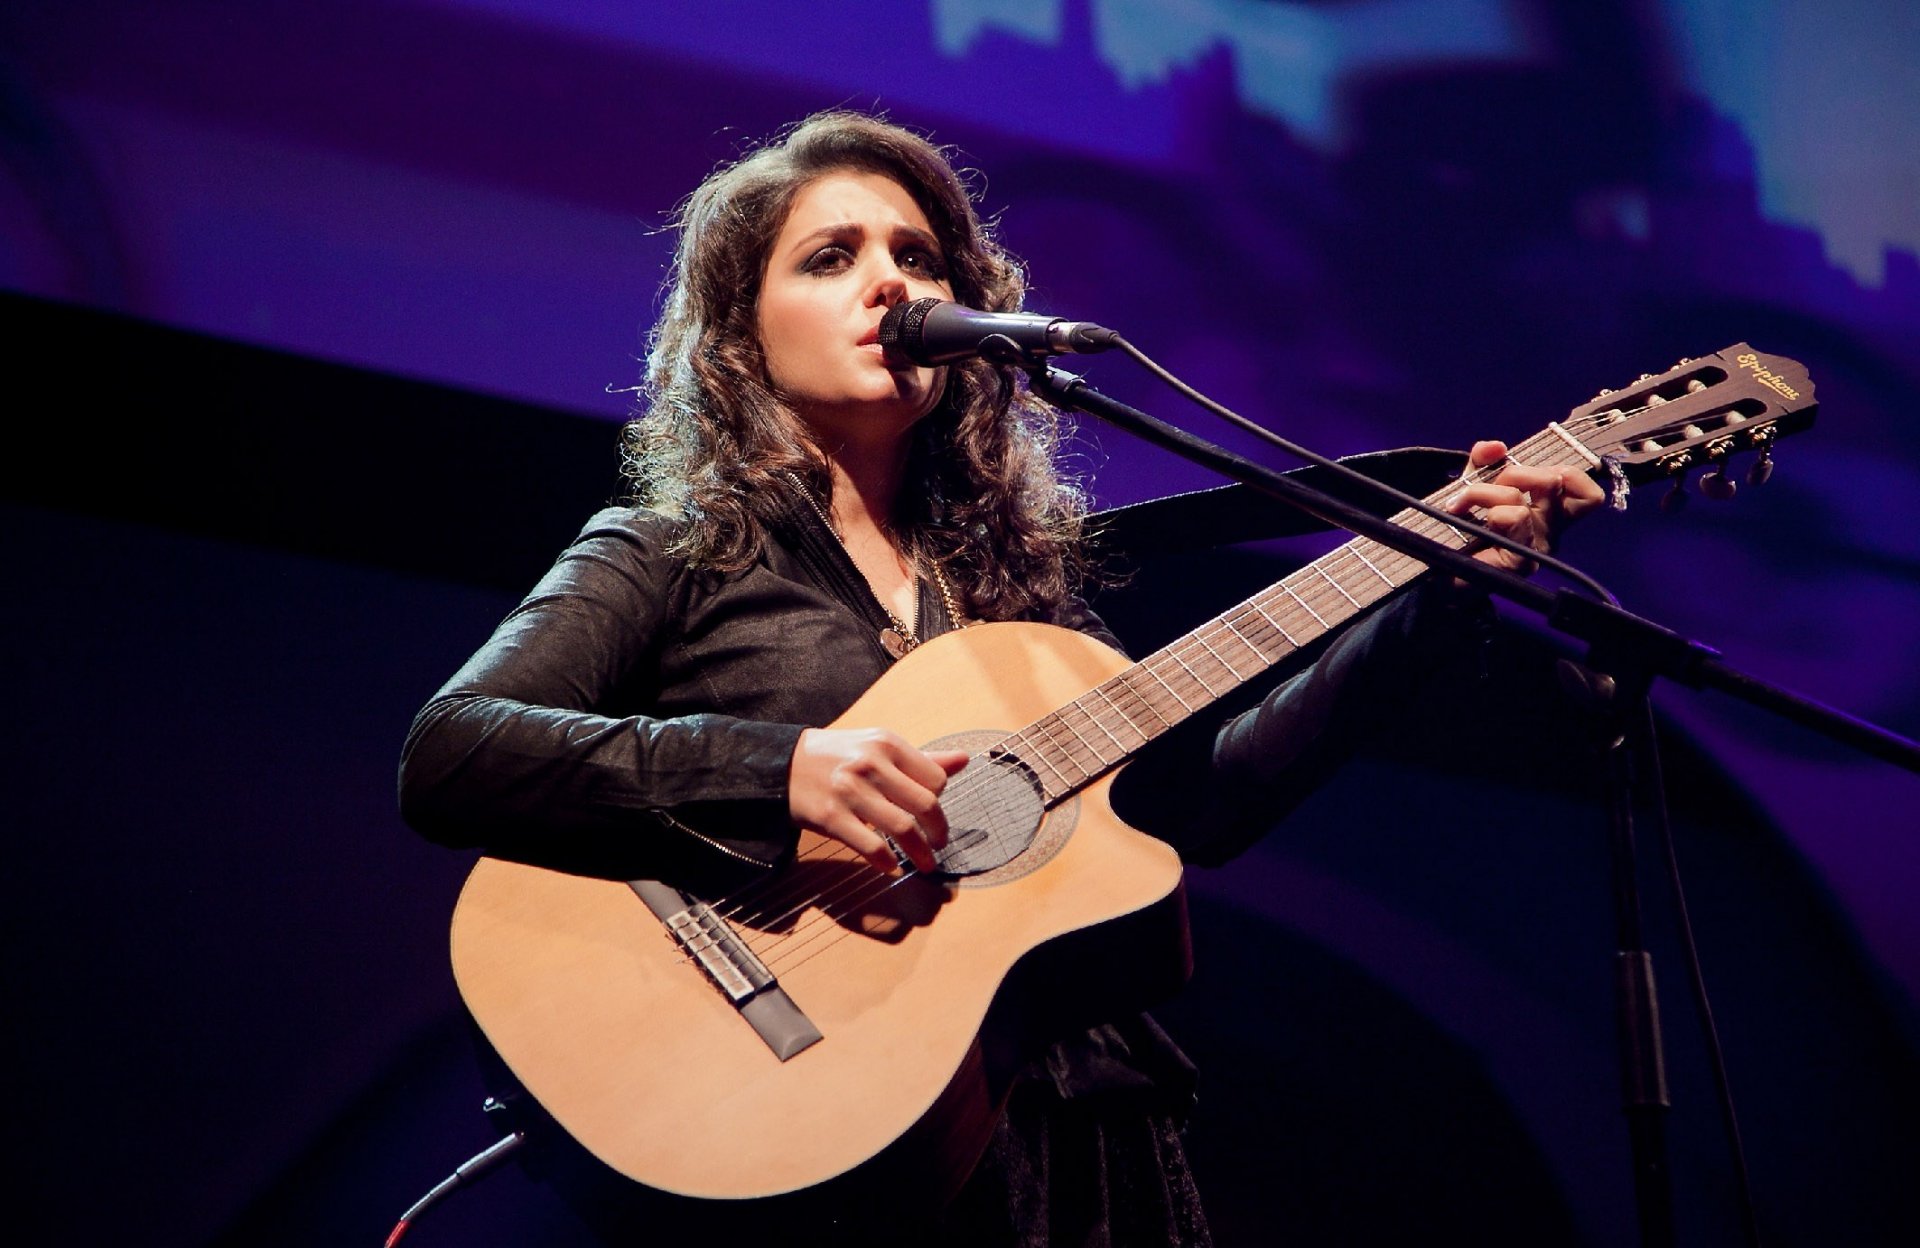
(1366, 223)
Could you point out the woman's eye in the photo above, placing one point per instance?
(925, 263)
(828, 258)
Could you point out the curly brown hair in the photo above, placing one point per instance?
(714, 442)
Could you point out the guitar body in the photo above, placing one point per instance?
(925, 996)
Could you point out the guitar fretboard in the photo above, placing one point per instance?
(1108, 724)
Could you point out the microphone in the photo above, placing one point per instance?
(934, 331)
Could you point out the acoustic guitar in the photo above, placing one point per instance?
(833, 1020)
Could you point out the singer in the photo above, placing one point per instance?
(808, 505)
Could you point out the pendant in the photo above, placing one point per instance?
(896, 644)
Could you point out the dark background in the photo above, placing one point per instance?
(319, 320)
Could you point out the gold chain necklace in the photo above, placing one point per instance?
(899, 637)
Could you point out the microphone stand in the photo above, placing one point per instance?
(1625, 653)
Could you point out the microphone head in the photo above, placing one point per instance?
(900, 328)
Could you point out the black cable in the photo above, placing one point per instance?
(1723, 1086)
(463, 1174)
(1458, 523)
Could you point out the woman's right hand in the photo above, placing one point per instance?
(864, 786)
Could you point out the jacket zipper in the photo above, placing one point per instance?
(708, 841)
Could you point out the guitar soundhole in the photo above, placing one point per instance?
(997, 820)
(993, 809)
(996, 815)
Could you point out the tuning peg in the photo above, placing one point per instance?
(1675, 499)
(1762, 470)
(1718, 486)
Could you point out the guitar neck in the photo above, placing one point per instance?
(1108, 724)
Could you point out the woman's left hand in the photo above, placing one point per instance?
(1529, 505)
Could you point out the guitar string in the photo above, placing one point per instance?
(770, 952)
(795, 901)
(776, 893)
(1253, 627)
(774, 927)
(1248, 623)
(847, 896)
(827, 929)
(778, 890)
(778, 954)
(791, 947)
(793, 951)
(792, 896)
(997, 812)
(797, 954)
(769, 942)
(830, 920)
(864, 886)
(833, 904)
(806, 934)
(868, 886)
(1392, 564)
(1060, 741)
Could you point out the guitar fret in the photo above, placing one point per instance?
(1124, 682)
(1197, 679)
(1291, 639)
(1147, 667)
(1361, 555)
(1317, 618)
(1216, 656)
(1082, 757)
(1097, 721)
(1243, 639)
(1036, 753)
(1328, 578)
(1331, 569)
(1060, 718)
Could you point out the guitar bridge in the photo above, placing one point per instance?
(713, 943)
(734, 969)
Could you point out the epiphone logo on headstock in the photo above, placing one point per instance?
(1766, 377)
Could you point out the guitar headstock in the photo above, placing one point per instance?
(1699, 412)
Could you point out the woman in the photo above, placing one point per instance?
(808, 507)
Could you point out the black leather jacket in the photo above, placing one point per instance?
(632, 700)
(636, 718)
(636, 703)
(635, 707)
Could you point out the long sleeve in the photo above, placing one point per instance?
(547, 732)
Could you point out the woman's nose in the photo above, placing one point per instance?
(889, 286)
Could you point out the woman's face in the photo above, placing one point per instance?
(853, 245)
